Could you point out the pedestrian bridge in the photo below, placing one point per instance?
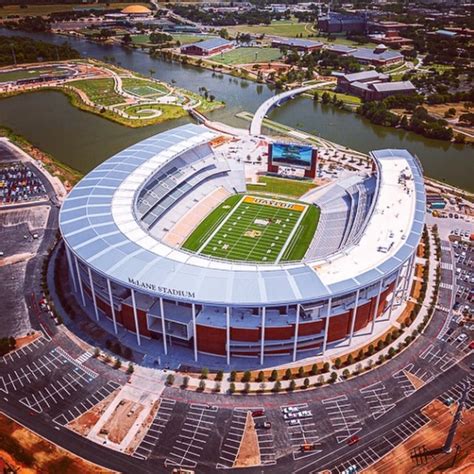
(269, 104)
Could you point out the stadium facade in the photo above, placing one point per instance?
(121, 224)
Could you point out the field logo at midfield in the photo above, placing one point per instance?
(253, 234)
(274, 203)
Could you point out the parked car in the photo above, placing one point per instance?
(353, 440)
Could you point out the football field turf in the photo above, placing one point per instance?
(248, 228)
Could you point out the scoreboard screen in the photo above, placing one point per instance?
(284, 154)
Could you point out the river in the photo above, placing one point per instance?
(83, 140)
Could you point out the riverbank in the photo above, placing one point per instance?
(68, 176)
(115, 93)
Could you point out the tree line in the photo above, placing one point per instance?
(27, 50)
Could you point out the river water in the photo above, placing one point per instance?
(82, 140)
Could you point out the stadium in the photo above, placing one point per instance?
(164, 240)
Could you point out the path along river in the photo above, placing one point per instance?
(83, 140)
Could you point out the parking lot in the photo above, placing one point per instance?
(76, 411)
(464, 262)
(22, 352)
(266, 443)
(455, 392)
(231, 442)
(302, 430)
(19, 183)
(197, 427)
(384, 444)
(157, 427)
(343, 417)
(37, 369)
(378, 399)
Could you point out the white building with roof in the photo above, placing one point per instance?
(116, 225)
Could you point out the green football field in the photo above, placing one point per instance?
(258, 229)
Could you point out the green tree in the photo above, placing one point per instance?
(246, 376)
(274, 375)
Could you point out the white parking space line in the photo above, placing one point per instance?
(25, 350)
(152, 437)
(86, 405)
(231, 442)
(342, 417)
(378, 399)
(186, 451)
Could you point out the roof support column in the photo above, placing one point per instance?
(354, 315)
(295, 344)
(227, 335)
(326, 329)
(262, 337)
(195, 333)
(112, 309)
(408, 276)
(80, 281)
(163, 329)
(394, 293)
(135, 317)
(377, 302)
(94, 301)
(71, 268)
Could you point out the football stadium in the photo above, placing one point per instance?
(165, 241)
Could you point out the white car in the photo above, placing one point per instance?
(294, 422)
(462, 337)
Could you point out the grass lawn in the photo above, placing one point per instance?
(438, 67)
(248, 55)
(247, 228)
(303, 235)
(140, 39)
(287, 28)
(281, 186)
(348, 99)
(169, 112)
(36, 10)
(99, 91)
(26, 73)
(143, 87)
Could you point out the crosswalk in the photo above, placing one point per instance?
(446, 266)
(84, 357)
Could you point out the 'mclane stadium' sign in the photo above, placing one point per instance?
(162, 289)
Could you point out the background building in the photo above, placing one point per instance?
(208, 47)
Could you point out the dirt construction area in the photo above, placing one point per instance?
(23, 452)
(422, 452)
(83, 424)
(121, 420)
(249, 451)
